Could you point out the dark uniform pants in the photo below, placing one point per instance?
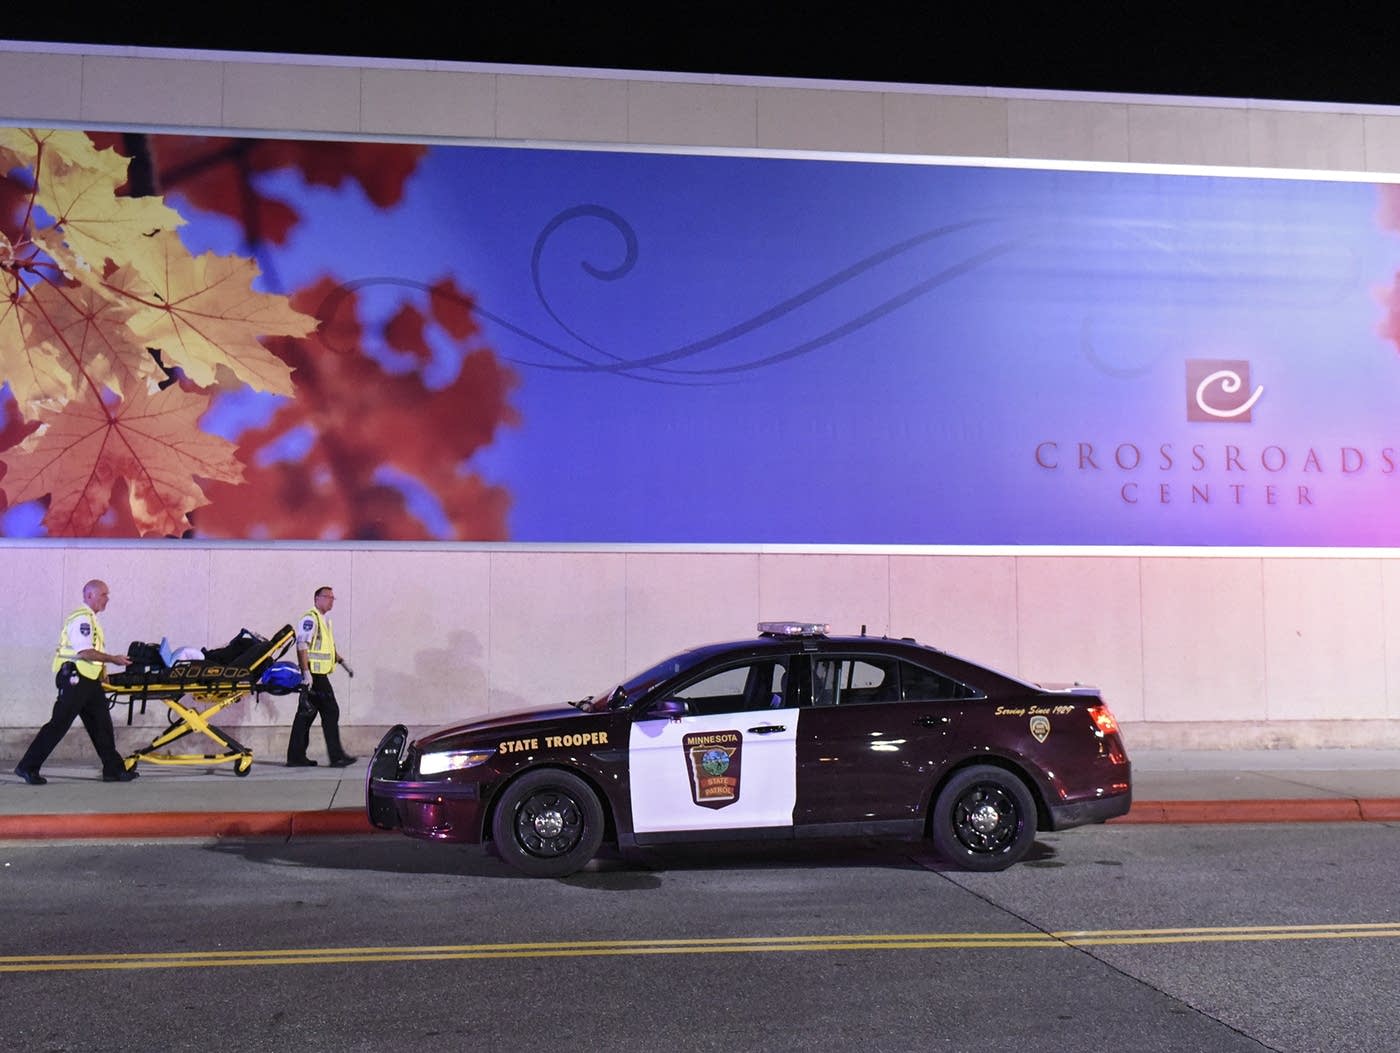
(82, 700)
(319, 699)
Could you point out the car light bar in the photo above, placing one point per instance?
(793, 628)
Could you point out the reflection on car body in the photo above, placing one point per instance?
(796, 733)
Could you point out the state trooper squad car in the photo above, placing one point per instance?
(793, 734)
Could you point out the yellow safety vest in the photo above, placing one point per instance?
(320, 651)
(66, 652)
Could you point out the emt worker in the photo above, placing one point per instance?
(78, 666)
(317, 656)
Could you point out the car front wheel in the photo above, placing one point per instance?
(548, 824)
(984, 819)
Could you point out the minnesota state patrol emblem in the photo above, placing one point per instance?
(712, 762)
(1040, 727)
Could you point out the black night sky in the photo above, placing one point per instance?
(1336, 54)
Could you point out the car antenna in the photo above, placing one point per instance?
(862, 629)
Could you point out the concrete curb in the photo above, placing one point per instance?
(354, 821)
(1266, 810)
(185, 824)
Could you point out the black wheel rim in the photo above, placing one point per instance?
(986, 819)
(549, 823)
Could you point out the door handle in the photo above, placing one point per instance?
(767, 729)
(933, 722)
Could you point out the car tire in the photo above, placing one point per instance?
(548, 823)
(984, 819)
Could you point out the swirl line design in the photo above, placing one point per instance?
(682, 364)
(1230, 383)
(658, 360)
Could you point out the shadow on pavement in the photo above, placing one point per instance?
(610, 870)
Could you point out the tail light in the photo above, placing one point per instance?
(1103, 719)
(1106, 728)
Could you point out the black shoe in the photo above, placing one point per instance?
(31, 777)
(125, 775)
(344, 762)
(305, 762)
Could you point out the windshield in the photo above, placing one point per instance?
(626, 694)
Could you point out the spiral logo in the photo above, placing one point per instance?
(1220, 391)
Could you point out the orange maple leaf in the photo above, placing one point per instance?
(64, 150)
(204, 315)
(152, 441)
(87, 331)
(36, 377)
(76, 185)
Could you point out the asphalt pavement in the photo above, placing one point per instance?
(1169, 786)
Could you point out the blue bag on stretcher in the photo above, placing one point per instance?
(280, 678)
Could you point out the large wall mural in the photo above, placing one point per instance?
(277, 339)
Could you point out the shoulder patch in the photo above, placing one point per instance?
(308, 624)
(85, 628)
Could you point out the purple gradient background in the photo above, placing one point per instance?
(877, 349)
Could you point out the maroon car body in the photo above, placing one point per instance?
(794, 734)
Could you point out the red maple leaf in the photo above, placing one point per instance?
(217, 174)
(151, 441)
(364, 422)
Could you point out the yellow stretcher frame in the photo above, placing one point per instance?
(194, 691)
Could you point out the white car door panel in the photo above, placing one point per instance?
(721, 772)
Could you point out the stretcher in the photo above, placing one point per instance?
(195, 691)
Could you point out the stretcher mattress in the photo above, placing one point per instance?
(243, 670)
(194, 690)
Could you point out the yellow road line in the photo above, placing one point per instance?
(1071, 933)
(710, 945)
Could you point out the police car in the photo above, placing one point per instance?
(796, 733)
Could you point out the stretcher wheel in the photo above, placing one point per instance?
(242, 766)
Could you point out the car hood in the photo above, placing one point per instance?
(499, 723)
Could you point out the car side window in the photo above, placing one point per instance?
(853, 681)
(924, 685)
(754, 685)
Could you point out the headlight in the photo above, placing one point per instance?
(452, 760)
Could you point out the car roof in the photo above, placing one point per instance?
(905, 647)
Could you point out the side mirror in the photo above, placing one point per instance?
(667, 707)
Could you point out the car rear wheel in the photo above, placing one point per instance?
(548, 824)
(984, 819)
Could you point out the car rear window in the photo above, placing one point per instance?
(851, 680)
(924, 685)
